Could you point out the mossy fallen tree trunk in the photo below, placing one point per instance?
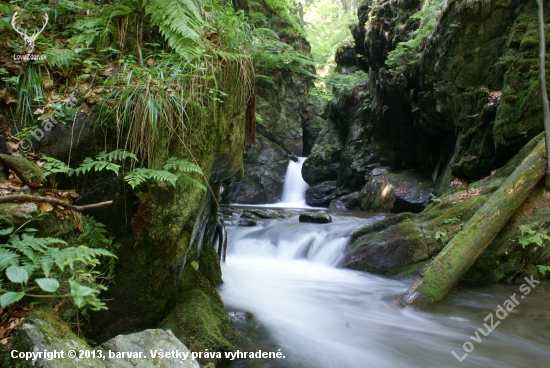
(444, 272)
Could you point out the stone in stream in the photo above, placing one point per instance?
(315, 217)
(262, 214)
(246, 223)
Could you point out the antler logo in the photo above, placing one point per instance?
(29, 40)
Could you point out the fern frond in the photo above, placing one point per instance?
(116, 155)
(181, 165)
(190, 182)
(141, 175)
(180, 22)
(68, 256)
(8, 258)
(97, 165)
(60, 58)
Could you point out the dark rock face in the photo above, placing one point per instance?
(315, 217)
(265, 168)
(463, 106)
(282, 105)
(322, 194)
(347, 60)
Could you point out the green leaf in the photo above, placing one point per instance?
(49, 285)
(78, 292)
(17, 274)
(10, 298)
(8, 226)
(7, 258)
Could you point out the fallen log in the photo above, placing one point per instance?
(440, 277)
(25, 170)
(58, 202)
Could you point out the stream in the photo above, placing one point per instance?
(286, 274)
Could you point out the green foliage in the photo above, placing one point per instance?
(94, 236)
(408, 52)
(269, 54)
(49, 268)
(344, 84)
(180, 22)
(327, 27)
(442, 236)
(105, 161)
(543, 269)
(141, 176)
(452, 220)
(529, 236)
(434, 198)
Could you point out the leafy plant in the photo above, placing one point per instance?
(452, 220)
(48, 268)
(105, 161)
(442, 236)
(529, 236)
(94, 236)
(141, 176)
(434, 198)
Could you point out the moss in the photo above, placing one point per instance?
(209, 265)
(519, 115)
(407, 270)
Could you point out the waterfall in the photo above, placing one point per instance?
(294, 189)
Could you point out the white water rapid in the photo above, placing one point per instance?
(321, 316)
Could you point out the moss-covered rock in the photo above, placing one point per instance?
(386, 250)
(199, 320)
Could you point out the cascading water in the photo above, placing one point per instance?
(320, 316)
(294, 189)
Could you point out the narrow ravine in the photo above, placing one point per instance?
(286, 274)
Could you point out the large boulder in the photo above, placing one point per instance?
(407, 191)
(264, 173)
(387, 247)
(322, 194)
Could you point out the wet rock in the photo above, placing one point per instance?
(263, 214)
(315, 217)
(407, 191)
(322, 194)
(264, 173)
(380, 249)
(249, 215)
(25, 170)
(337, 205)
(246, 223)
(352, 201)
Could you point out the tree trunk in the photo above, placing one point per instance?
(542, 86)
(443, 273)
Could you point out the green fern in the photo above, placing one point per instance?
(181, 165)
(60, 58)
(90, 164)
(180, 22)
(94, 236)
(27, 260)
(141, 175)
(530, 236)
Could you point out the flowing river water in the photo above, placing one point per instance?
(321, 316)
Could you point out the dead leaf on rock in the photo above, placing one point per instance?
(45, 207)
